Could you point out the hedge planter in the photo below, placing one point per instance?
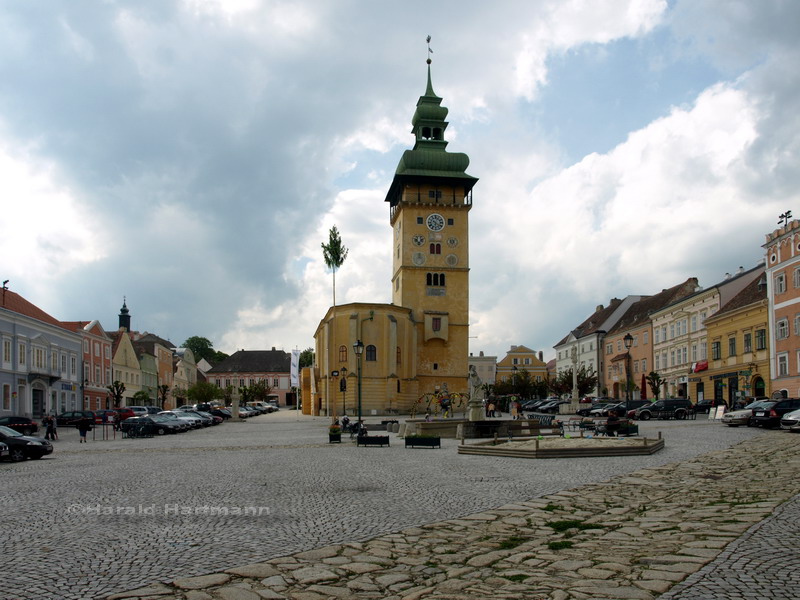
(423, 442)
(334, 438)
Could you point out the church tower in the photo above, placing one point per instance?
(430, 198)
(124, 317)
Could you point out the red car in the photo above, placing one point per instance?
(122, 414)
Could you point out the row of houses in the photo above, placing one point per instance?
(737, 338)
(53, 366)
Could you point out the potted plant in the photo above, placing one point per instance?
(423, 441)
(334, 434)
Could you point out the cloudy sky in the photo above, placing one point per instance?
(192, 155)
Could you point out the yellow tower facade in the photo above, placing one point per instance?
(430, 199)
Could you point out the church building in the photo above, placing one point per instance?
(417, 345)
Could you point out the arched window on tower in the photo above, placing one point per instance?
(437, 133)
(372, 353)
(436, 248)
(426, 133)
(342, 354)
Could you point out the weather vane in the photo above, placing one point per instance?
(428, 39)
(784, 217)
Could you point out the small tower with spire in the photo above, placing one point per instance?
(124, 316)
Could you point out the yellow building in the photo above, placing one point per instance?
(738, 363)
(520, 358)
(419, 344)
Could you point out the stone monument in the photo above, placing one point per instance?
(477, 411)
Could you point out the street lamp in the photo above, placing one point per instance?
(358, 348)
(343, 387)
(628, 341)
(334, 376)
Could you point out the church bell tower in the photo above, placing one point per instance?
(430, 199)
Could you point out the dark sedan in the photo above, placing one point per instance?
(24, 425)
(770, 416)
(24, 446)
(151, 424)
(71, 418)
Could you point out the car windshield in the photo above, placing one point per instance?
(7, 431)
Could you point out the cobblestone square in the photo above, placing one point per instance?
(109, 516)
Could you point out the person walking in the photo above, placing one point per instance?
(84, 426)
(490, 411)
(49, 427)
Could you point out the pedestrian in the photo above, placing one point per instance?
(48, 424)
(84, 426)
(514, 411)
(428, 417)
(490, 412)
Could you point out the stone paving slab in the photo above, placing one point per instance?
(633, 537)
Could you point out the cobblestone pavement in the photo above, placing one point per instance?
(61, 543)
(763, 564)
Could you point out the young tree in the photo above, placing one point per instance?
(306, 358)
(562, 384)
(334, 253)
(655, 381)
(141, 398)
(116, 391)
(203, 392)
(260, 391)
(163, 390)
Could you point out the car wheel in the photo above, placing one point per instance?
(645, 416)
(680, 414)
(161, 431)
(17, 454)
(27, 431)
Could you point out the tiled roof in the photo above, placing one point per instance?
(639, 313)
(255, 361)
(16, 303)
(593, 322)
(756, 291)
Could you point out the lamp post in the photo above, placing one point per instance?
(334, 376)
(628, 341)
(358, 348)
(343, 386)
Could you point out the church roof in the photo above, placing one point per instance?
(429, 157)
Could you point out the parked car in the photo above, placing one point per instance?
(221, 412)
(791, 421)
(668, 408)
(274, 404)
(706, 404)
(139, 411)
(110, 415)
(21, 446)
(181, 424)
(770, 416)
(193, 421)
(121, 414)
(552, 407)
(155, 424)
(584, 412)
(153, 410)
(24, 425)
(70, 418)
(205, 419)
(734, 418)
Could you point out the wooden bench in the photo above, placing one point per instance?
(372, 440)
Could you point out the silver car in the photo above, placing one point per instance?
(791, 421)
(742, 416)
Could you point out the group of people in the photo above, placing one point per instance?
(50, 424)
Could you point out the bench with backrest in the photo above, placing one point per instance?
(372, 440)
(423, 442)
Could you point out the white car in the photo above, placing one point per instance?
(791, 421)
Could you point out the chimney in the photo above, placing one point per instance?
(481, 353)
(727, 276)
(599, 308)
(541, 356)
(740, 270)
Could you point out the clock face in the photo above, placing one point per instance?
(435, 222)
(452, 242)
(418, 240)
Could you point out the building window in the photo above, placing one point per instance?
(63, 363)
(73, 363)
(435, 279)
(371, 353)
(672, 358)
(398, 355)
(609, 348)
(694, 323)
(436, 194)
(761, 339)
(797, 324)
(96, 349)
(748, 342)
(275, 383)
(636, 366)
(783, 364)
(527, 361)
(782, 329)
(644, 365)
(436, 248)
(86, 346)
(658, 362)
(694, 352)
(619, 345)
(656, 336)
(780, 283)
(514, 361)
(716, 350)
(732, 346)
(450, 222)
(420, 221)
(703, 350)
(436, 323)
(108, 351)
(646, 338)
(342, 353)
